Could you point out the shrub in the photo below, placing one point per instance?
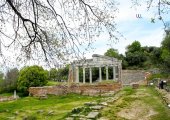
(32, 76)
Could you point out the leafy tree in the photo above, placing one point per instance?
(62, 73)
(11, 79)
(1, 81)
(1, 76)
(112, 53)
(124, 62)
(153, 55)
(135, 46)
(134, 54)
(9, 84)
(31, 76)
(166, 51)
(53, 74)
(156, 55)
(166, 42)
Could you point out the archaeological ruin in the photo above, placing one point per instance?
(98, 61)
(108, 68)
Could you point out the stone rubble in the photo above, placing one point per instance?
(95, 108)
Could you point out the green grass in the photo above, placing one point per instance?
(58, 107)
(148, 96)
(53, 83)
(159, 75)
(53, 108)
(6, 94)
(157, 103)
(122, 102)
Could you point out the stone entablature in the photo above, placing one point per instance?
(98, 61)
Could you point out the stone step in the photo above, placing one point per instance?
(103, 104)
(93, 115)
(97, 107)
(90, 103)
(69, 118)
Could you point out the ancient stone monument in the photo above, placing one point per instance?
(97, 61)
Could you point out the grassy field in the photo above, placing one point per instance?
(143, 103)
(53, 108)
(54, 83)
(138, 104)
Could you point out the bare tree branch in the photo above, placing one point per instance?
(55, 28)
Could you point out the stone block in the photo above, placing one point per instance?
(98, 107)
(135, 86)
(93, 115)
(103, 104)
(69, 118)
(90, 103)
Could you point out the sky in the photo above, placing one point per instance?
(133, 28)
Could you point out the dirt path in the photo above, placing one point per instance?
(143, 103)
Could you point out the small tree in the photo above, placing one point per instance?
(8, 83)
(11, 79)
(53, 74)
(62, 73)
(32, 76)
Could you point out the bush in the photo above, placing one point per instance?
(32, 76)
(160, 75)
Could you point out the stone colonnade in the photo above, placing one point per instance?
(100, 73)
(98, 61)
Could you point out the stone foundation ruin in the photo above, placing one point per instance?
(91, 90)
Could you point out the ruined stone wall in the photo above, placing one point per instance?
(43, 91)
(133, 76)
(80, 89)
(2, 99)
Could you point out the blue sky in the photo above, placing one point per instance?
(132, 28)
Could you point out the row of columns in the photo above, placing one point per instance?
(90, 73)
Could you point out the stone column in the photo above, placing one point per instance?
(107, 74)
(120, 73)
(84, 73)
(77, 74)
(114, 73)
(100, 74)
(90, 75)
(15, 94)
